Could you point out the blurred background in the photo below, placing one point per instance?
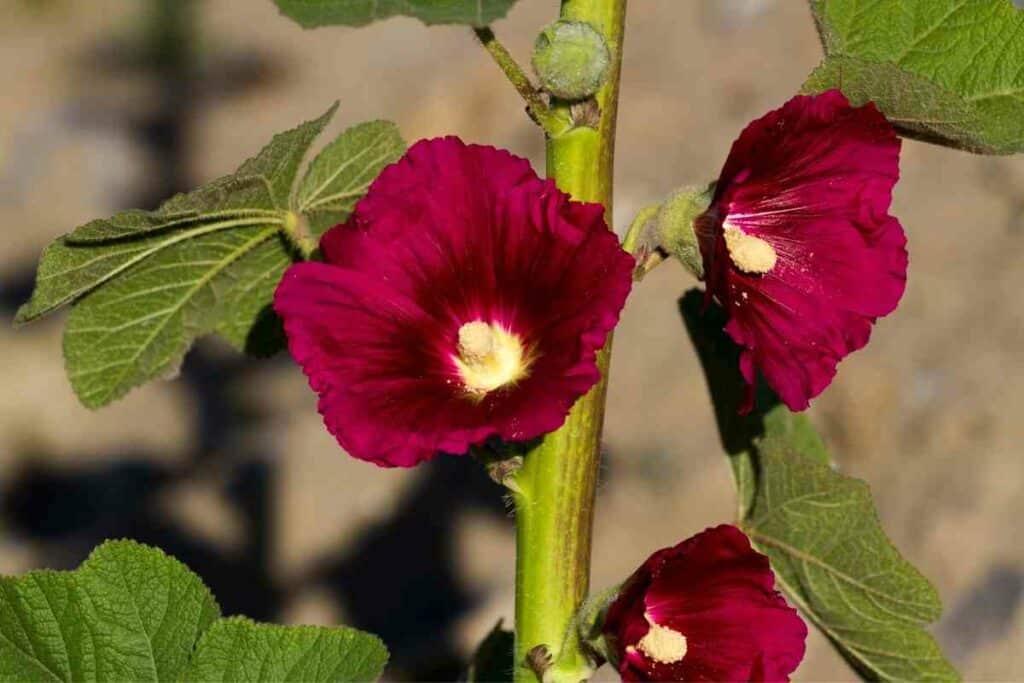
(109, 104)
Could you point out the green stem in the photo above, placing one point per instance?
(553, 122)
(556, 485)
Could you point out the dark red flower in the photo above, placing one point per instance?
(798, 244)
(464, 299)
(705, 610)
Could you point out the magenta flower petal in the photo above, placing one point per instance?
(705, 610)
(464, 299)
(798, 244)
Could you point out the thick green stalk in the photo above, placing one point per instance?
(554, 490)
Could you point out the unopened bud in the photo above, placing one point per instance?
(571, 59)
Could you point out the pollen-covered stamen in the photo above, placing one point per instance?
(749, 253)
(662, 644)
(489, 356)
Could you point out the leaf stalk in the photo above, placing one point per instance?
(552, 120)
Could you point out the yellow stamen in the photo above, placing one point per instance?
(750, 254)
(488, 357)
(662, 644)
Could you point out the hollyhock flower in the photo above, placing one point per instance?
(704, 610)
(798, 244)
(464, 299)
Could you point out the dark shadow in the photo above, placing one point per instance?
(266, 337)
(15, 289)
(65, 514)
(719, 357)
(983, 615)
(400, 579)
(50, 505)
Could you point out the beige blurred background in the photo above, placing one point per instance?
(229, 468)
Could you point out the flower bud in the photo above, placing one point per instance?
(675, 225)
(571, 59)
(704, 610)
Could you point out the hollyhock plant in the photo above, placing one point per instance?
(798, 244)
(704, 610)
(465, 305)
(464, 299)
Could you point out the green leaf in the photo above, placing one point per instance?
(237, 649)
(278, 162)
(719, 358)
(74, 265)
(313, 13)
(129, 613)
(140, 325)
(818, 527)
(232, 196)
(494, 659)
(944, 71)
(146, 284)
(340, 175)
(256, 195)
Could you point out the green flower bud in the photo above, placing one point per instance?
(571, 59)
(674, 225)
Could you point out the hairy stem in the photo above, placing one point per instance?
(553, 122)
(555, 488)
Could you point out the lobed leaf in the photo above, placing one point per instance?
(341, 174)
(131, 613)
(92, 254)
(231, 196)
(70, 268)
(278, 163)
(314, 13)
(818, 527)
(238, 649)
(140, 325)
(146, 284)
(944, 71)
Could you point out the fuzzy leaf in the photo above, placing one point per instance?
(944, 71)
(129, 613)
(146, 284)
(140, 325)
(279, 161)
(340, 175)
(313, 13)
(103, 249)
(92, 254)
(237, 649)
(231, 196)
(818, 527)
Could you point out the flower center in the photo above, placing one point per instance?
(489, 357)
(662, 644)
(749, 253)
